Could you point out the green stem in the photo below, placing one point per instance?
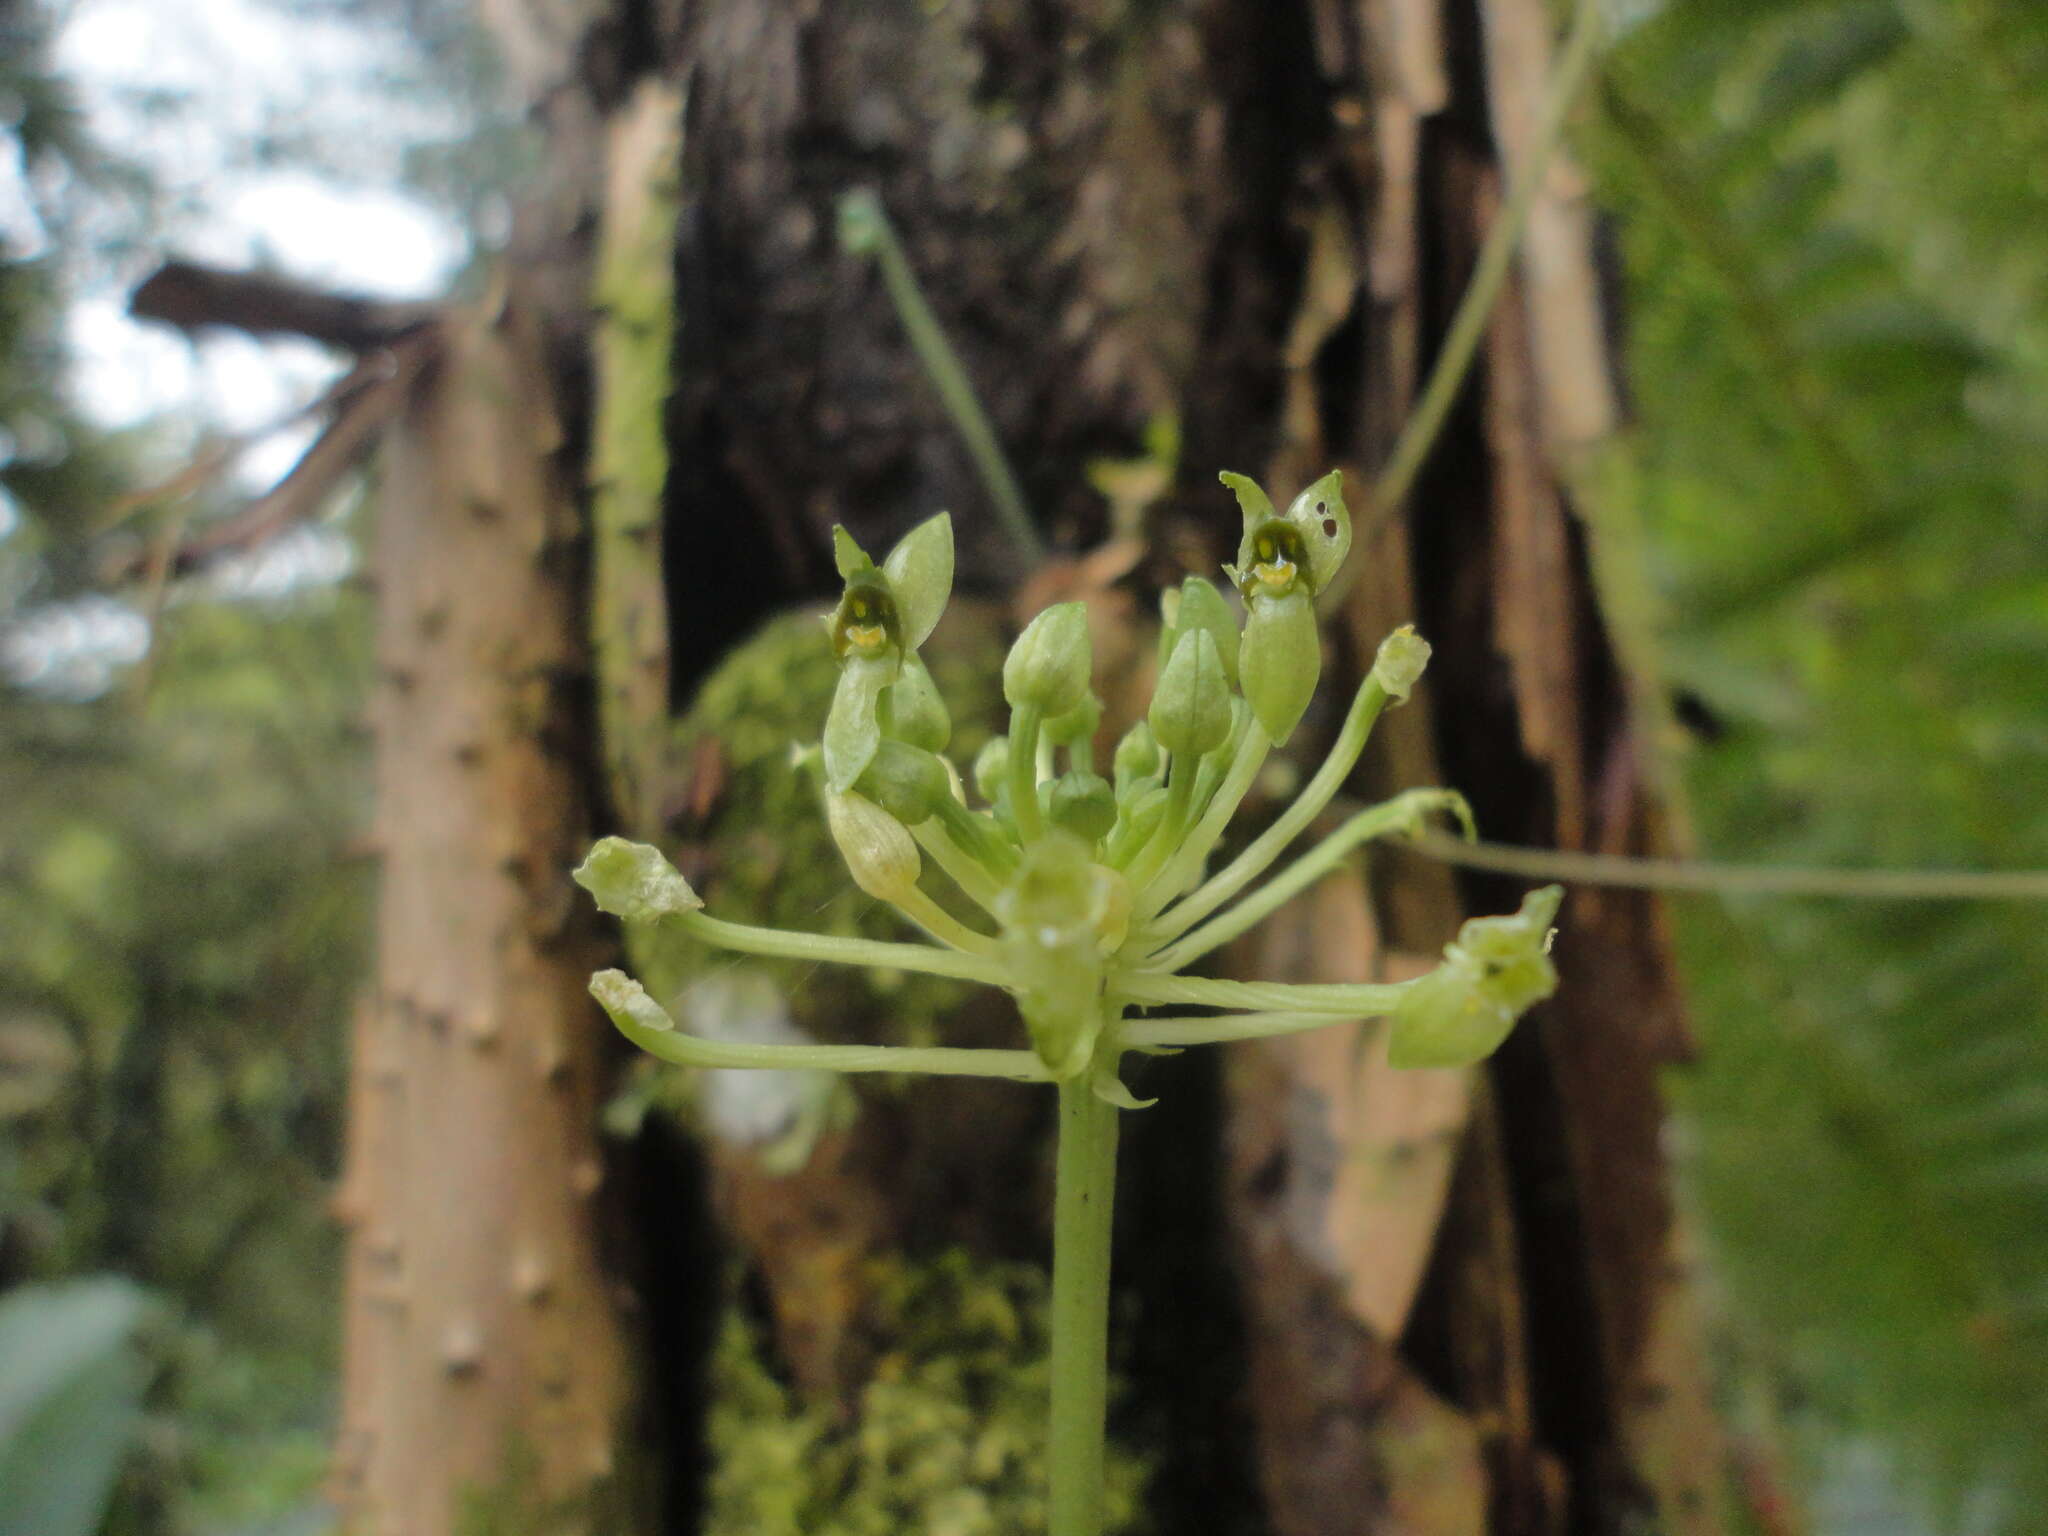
(1187, 860)
(1180, 1030)
(942, 365)
(1166, 837)
(1738, 879)
(977, 837)
(648, 1025)
(1023, 773)
(1366, 705)
(1402, 813)
(967, 872)
(834, 950)
(1340, 999)
(1082, 1211)
(942, 925)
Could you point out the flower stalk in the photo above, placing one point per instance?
(1097, 890)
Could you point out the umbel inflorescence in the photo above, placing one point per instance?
(1092, 894)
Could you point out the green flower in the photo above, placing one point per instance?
(883, 616)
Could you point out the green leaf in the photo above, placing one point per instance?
(920, 573)
(634, 881)
(1280, 661)
(70, 1402)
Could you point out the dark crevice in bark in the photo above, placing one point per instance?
(682, 1268)
(1262, 62)
(1186, 1352)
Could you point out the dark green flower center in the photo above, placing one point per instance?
(866, 623)
(1278, 564)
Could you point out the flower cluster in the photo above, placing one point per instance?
(1091, 894)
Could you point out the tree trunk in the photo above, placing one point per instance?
(1360, 1301)
(486, 1371)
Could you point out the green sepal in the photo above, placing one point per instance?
(1280, 661)
(1190, 712)
(853, 727)
(1252, 500)
(1494, 972)
(913, 710)
(1048, 667)
(1325, 525)
(920, 574)
(848, 556)
(1203, 607)
(633, 881)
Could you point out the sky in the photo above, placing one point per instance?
(210, 97)
(273, 139)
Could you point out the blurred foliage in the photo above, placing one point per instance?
(181, 927)
(181, 935)
(69, 1402)
(1834, 215)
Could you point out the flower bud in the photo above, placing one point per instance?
(1203, 607)
(905, 781)
(1047, 669)
(1137, 756)
(1077, 724)
(913, 711)
(1190, 711)
(1496, 970)
(991, 764)
(1280, 660)
(1084, 804)
(861, 225)
(1141, 814)
(633, 881)
(1403, 655)
(879, 852)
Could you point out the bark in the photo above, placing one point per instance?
(485, 1380)
(1406, 1302)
